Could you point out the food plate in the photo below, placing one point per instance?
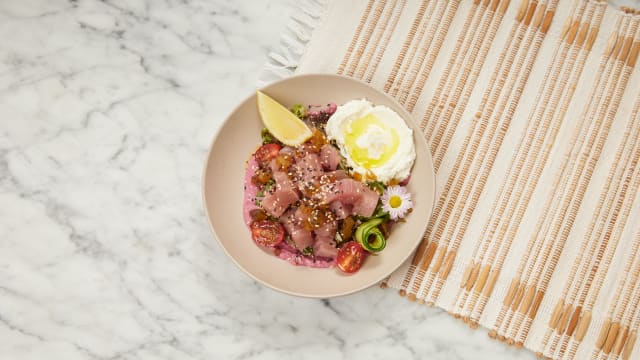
(223, 180)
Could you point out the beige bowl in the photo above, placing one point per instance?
(223, 179)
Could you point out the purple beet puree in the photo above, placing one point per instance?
(296, 258)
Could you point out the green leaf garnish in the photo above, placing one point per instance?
(299, 110)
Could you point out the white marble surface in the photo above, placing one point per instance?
(106, 111)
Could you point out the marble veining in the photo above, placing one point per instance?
(106, 112)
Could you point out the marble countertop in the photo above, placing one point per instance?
(106, 111)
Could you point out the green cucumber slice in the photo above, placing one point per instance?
(368, 229)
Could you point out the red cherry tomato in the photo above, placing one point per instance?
(267, 232)
(265, 153)
(350, 257)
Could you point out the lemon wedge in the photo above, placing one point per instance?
(281, 122)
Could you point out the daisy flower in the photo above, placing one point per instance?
(396, 200)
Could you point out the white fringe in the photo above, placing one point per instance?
(283, 61)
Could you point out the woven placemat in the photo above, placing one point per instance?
(532, 112)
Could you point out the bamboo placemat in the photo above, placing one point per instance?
(532, 112)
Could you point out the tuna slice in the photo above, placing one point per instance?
(325, 248)
(300, 236)
(366, 206)
(308, 167)
(351, 192)
(283, 182)
(329, 157)
(324, 245)
(300, 217)
(342, 211)
(275, 204)
(327, 230)
(337, 174)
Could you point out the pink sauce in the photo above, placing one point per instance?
(298, 259)
(287, 252)
(284, 251)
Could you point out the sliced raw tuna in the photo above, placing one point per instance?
(335, 175)
(283, 182)
(292, 224)
(301, 218)
(351, 192)
(324, 244)
(308, 167)
(302, 238)
(342, 211)
(339, 174)
(329, 157)
(327, 230)
(288, 220)
(366, 205)
(325, 247)
(276, 203)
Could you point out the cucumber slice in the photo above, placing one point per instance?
(368, 229)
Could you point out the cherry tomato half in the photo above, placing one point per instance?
(265, 153)
(350, 257)
(267, 232)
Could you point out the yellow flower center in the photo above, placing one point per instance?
(395, 201)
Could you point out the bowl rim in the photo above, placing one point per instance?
(215, 136)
